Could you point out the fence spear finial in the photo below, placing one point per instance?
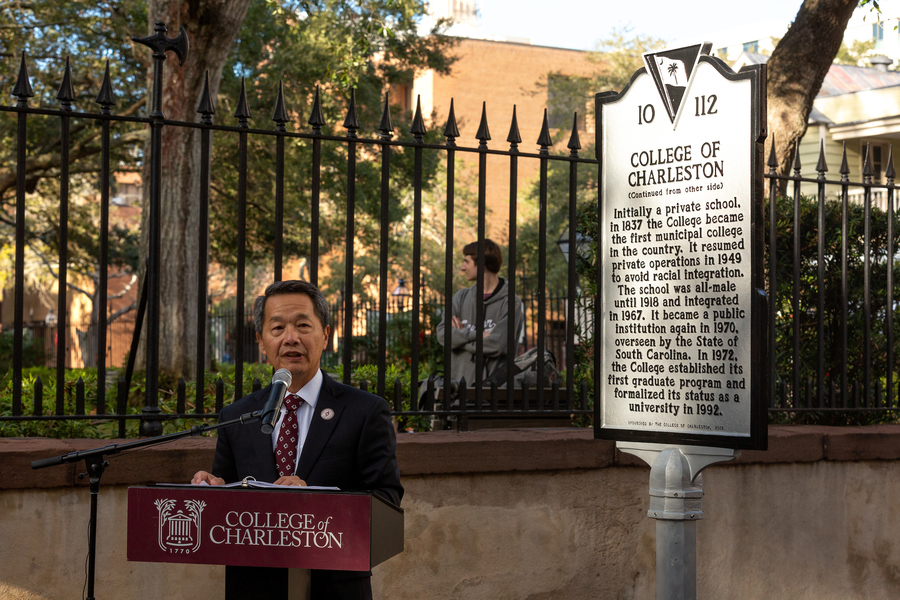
(386, 127)
(280, 115)
(206, 108)
(867, 165)
(22, 89)
(243, 108)
(351, 123)
(316, 118)
(160, 44)
(822, 166)
(105, 97)
(66, 93)
(544, 139)
(772, 163)
(418, 125)
(514, 138)
(574, 141)
(845, 168)
(483, 134)
(797, 160)
(451, 130)
(889, 171)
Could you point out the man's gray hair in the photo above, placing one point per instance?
(293, 286)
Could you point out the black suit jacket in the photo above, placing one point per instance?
(355, 450)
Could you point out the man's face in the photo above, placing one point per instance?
(292, 337)
(469, 268)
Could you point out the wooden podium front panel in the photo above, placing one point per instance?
(259, 528)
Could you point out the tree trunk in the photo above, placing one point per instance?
(797, 68)
(211, 25)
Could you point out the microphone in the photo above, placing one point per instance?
(281, 381)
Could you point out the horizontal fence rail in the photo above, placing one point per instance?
(831, 262)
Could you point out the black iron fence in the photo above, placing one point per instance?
(832, 308)
(546, 331)
(832, 267)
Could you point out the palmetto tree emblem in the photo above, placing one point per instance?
(673, 71)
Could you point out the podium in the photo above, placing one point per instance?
(290, 529)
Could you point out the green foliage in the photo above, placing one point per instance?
(32, 352)
(393, 374)
(338, 46)
(101, 428)
(399, 342)
(808, 288)
(528, 238)
(50, 428)
(854, 54)
(616, 57)
(86, 35)
(835, 418)
(619, 56)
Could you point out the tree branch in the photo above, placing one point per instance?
(74, 131)
(125, 290)
(121, 312)
(42, 164)
(71, 285)
(17, 5)
(44, 260)
(35, 26)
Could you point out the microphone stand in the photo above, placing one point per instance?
(95, 463)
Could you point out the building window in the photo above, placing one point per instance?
(565, 97)
(878, 35)
(722, 53)
(751, 46)
(877, 163)
(401, 95)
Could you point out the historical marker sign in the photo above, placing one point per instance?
(682, 312)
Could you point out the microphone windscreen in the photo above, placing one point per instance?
(282, 375)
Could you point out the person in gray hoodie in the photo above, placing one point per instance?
(496, 316)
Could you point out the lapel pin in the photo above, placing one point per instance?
(327, 414)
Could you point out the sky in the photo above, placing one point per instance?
(578, 24)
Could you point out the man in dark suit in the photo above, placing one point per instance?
(344, 437)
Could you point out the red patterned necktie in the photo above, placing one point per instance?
(286, 448)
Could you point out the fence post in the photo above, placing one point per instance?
(160, 44)
(23, 92)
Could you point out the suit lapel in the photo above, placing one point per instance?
(320, 429)
(262, 444)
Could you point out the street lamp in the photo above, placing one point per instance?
(401, 292)
(582, 245)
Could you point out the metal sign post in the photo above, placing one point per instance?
(682, 309)
(676, 490)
